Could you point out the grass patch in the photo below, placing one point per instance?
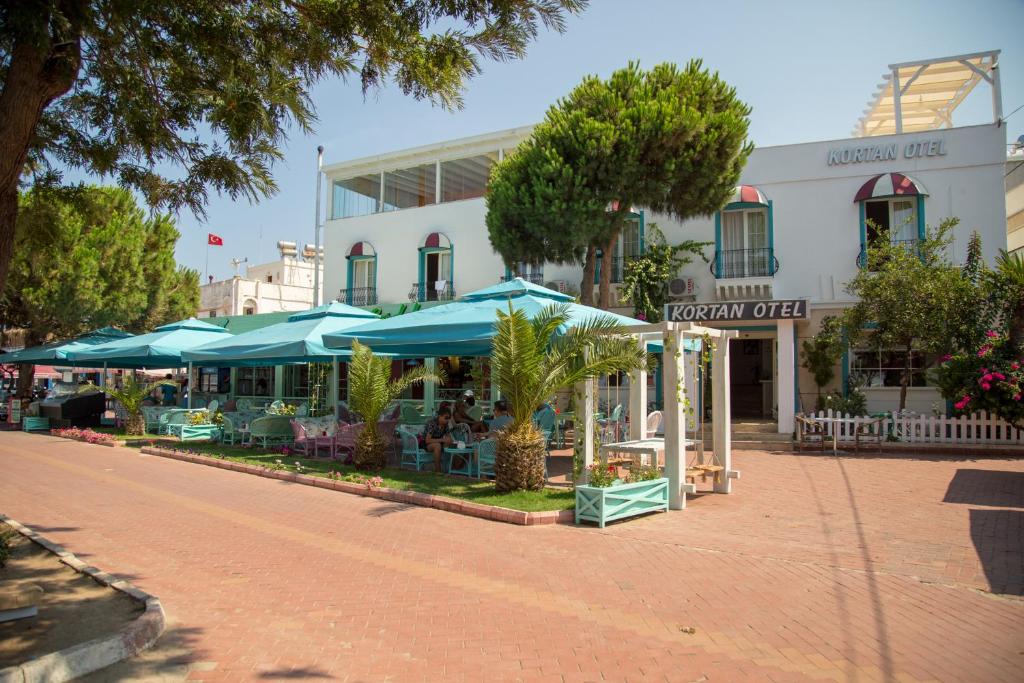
(473, 490)
(118, 433)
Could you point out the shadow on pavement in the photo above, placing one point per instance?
(998, 537)
(297, 673)
(993, 488)
(170, 659)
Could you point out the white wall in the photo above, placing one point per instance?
(816, 223)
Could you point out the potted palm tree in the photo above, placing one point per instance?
(130, 395)
(533, 359)
(370, 391)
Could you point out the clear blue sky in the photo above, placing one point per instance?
(806, 68)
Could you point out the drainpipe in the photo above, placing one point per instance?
(316, 229)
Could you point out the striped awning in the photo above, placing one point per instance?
(436, 240)
(748, 194)
(890, 185)
(362, 249)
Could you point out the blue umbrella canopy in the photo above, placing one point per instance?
(297, 340)
(161, 348)
(47, 354)
(464, 327)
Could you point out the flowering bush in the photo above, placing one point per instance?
(368, 482)
(644, 473)
(200, 417)
(990, 379)
(87, 435)
(602, 476)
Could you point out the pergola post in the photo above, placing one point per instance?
(721, 407)
(429, 388)
(190, 389)
(335, 377)
(638, 401)
(103, 377)
(675, 445)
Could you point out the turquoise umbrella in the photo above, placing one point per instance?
(464, 327)
(54, 352)
(161, 348)
(297, 340)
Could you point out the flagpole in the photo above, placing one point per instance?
(206, 275)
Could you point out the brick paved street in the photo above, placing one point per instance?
(817, 568)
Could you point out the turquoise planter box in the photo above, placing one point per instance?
(602, 505)
(199, 432)
(35, 424)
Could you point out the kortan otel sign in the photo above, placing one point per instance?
(776, 309)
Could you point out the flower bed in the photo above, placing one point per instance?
(87, 435)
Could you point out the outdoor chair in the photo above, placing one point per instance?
(151, 415)
(544, 420)
(230, 430)
(301, 439)
(653, 423)
(346, 436)
(810, 433)
(870, 432)
(271, 430)
(410, 415)
(387, 430)
(485, 453)
(614, 421)
(172, 420)
(413, 455)
(475, 412)
(302, 410)
(212, 406)
(244, 404)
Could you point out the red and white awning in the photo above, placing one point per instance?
(436, 240)
(748, 194)
(362, 249)
(890, 185)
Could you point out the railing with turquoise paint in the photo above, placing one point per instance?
(862, 257)
(427, 291)
(736, 263)
(358, 296)
(535, 278)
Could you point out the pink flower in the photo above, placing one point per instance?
(999, 376)
(1016, 397)
(987, 377)
(990, 334)
(986, 386)
(946, 358)
(983, 351)
(1015, 365)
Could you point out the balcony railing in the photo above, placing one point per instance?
(862, 256)
(427, 291)
(535, 278)
(359, 296)
(737, 263)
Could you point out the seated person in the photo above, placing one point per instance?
(501, 417)
(169, 392)
(437, 434)
(461, 413)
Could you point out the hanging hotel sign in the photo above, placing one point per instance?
(933, 147)
(776, 309)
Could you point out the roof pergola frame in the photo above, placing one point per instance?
(920, 96)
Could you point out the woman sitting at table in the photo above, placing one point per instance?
(501, 418)
(437, 434)
(461, 413)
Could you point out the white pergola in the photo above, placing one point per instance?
(672, 336)
(920, 96)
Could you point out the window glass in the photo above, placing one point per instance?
(903, 220)
(255, 381)
(355, 196)
(883, 368)
(214, 380)
(296, 381)
(466, 178)
(410, 187)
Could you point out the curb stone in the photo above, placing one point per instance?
(98, 653)
(455, 505)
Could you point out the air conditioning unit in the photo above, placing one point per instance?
(557, 285)
(682, 287)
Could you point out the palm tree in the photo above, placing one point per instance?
(1006, 284)
(130, 395)
(533, 359)
(370, 391)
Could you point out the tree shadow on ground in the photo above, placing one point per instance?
(992, 488)
(296, 673)
(998, 537)
(388, 509)
(170, 658)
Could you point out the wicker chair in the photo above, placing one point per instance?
(810, 433)
(870, 432)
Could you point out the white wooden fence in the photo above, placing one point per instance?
(977, 428)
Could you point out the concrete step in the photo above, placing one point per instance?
(762, 445)
(754, 436)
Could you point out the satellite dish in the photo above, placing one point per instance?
(1019, 145)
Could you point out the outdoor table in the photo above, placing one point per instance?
(245, 434)
(835, 432)
(638, 448)
(469, 451)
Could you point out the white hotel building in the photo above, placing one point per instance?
(408, 227)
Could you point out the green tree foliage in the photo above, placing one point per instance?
(176, 97)
(645, 279)
(530, 362)
(130, 395)
(89, 258)
(822, 352)
(909, 299)
(671, 139)
(370, 391)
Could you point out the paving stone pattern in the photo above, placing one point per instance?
(816, 568)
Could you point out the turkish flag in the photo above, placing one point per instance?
(215, 240)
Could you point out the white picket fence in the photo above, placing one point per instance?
(977, 428)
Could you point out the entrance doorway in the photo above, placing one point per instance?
(751, 372)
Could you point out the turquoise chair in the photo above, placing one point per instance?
(462, 433)
(271, 430)
(412, 454)
(151, 415)
(615, 421)
(229, 431)
(411, 416)
(544, 420)
(485, 453)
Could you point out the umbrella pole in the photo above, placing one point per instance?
(335, 377)
(189, 389)
(103, 377)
